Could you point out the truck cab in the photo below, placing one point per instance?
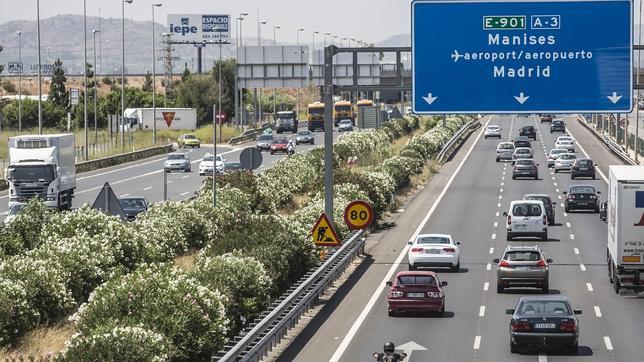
(343, 110)
(286, 121)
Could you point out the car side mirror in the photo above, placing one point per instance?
(459, 243)
(554, 204)
(599, 192)
(410, 242)
(549, 261)
(577, 311)
(496, 260)
(505, 213)
(565, 192)
(537, 165)
(509, 311)
(443, 284)
(389, 284)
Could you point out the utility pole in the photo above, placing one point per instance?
(20, 82)
(85, 68)
(154, 79)
(95, 91)
(123, 73)
(275, 90)
(39, 70)
(297, 90)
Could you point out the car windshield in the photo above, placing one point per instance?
(525, 162)
(132, 203)
(523, 138)
(493, 128)
(177, 156)
(526, 210)
(208, 158)
(546, 201)
(416, 280)
(15, 209)
(189, 137)
(584, 162)
(303, 133)
(522, 255)
(557, 123)
(566, 156)
(522, 151)
(558, 151)
(432, 240)
(32, 173)
(265, 137)
(543, 307)
(506, 146)
(582, 190)
(346, 121)
(565, 142)
(280, 141)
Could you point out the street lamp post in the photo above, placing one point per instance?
(258, 110)
(39, 70)
(95, 91)
(85, 149)
(154, 79)
(239, 101)
(333, 39)
(20, 81)
(313, 43)
(325, 35)
(275, 90)
(297, 90)
(123, 72)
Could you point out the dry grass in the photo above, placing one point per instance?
(40, 343)
(186, 262)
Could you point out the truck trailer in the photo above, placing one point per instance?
(166, 118)
(42, 166)
(625, 217)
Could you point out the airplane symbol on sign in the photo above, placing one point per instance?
(456, 56)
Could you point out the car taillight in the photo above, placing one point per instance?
(517, 326)
(417, 250)
(593, 197)
(627, 280)
(509, 220)
(568, 326)
(449, 250)
(542, 263)
(504, 263)
(395, 294)
(545, 220)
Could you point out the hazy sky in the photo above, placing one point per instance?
(368, 20)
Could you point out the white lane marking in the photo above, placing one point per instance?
(598, 312)
(5, 213)
(497, 205)
(560, 199)
(491, 250)
(500, 197)
(502, 184)
(543, 358)
(557, 190)
(482, 311)
(170, 181)
(589, 287)
(572, 236)
(582, 267)
(497, 214)
(125, 195)
(576, 251)
(503, 178)
(186, 176)
(493, 236)
(147, 188)
(488, 266)
(477, 342)
(607, 342)
(503, 173)
(376, 294)
(555, 184)
(496, 224)
(486, 286)
(501, 190)
(184, 194)
(568, 224)
(553, 178)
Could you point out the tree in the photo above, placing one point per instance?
(58, 92)
(185, 75)
(199, 93)
(1, 68)
(90, 75)
(147, 86)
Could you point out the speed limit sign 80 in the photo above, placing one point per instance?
(358, 215)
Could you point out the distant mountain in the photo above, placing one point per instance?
(400, 40)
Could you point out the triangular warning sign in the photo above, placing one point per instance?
(323, 234)
(108, 203)
(168, 117)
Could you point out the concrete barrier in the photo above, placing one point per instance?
(113, 160)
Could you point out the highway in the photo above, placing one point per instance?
(467, 200)
(145, 177)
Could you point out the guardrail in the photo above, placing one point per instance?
(616, 148)
(450, 146)
(258, 339)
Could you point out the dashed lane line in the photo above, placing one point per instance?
(582, 267)
(147, 188)
(607, 342)
(492, 250)
(576, 251)
(598, 312)
(486, 286)
(589, 287)
(477, 342)
(482, 311)
(488, 266)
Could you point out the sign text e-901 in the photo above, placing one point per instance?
(504, 22)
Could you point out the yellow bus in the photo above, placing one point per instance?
(315, 116)
(363, 103)
(343, 110)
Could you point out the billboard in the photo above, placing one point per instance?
(199, 28)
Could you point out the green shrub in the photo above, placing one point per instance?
(17, 314)
(401, 168)
(132, 344)
(28, 224)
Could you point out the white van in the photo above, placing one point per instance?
(526, 218)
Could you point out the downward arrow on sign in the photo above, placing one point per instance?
(521, 98)
(429, 99)
(614, 98)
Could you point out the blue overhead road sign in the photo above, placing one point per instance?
(522, 56)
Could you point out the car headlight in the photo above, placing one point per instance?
(51, 198)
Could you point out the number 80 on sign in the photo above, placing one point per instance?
(358, 215)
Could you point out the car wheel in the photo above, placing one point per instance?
(412, 267)
(545, 289)
(272, 153)
(485, 137)
(199, 146)
(556, 171)
(572, 177)
(497, 159)
(391, 313)
(297, 143)
(514, 348)
(566, 209)
(596, 210)
(514, 177)
(509, 237)
(536, 177)
(457, 267)
(544, 237)
(441, 312)
(499, 288)
(574, 349)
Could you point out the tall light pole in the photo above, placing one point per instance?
(275, 90)
(333, 39)
(342, 41)
(297, 90)
(313, 43)
(39, 70)
(154, 79)
(95, 31)
(239, 101)
(123, 73)
(325, 35)
(258, 110)
(20, 81)
(85, 149)
(100, 44)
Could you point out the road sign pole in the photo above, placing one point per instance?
(328, 131)
(165, 185)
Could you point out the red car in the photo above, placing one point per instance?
(416, 291)
(279, 145)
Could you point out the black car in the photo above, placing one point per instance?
(522, 141)
(582, 197)
(231, 166)
(133, 206)
(546, 118)
(304, 137)
(547, 203)
(582, 167)
(525, 167)
(544, 321)
(557, 125)
(529, 132)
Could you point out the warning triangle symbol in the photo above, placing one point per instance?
(323, 233)
(168, 117)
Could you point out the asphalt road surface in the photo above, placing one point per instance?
(467, 200)
(145, 177)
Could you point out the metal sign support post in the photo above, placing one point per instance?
(165, 185)
(328, 131)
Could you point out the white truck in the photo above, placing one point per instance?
(42, 166)
(166, 118)
(625, 217)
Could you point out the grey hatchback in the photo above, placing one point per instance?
(547, 203)
(522, 266)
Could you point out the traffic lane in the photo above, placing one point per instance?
(464, 212)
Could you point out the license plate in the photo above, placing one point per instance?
(523, 268)
(417, 295)
(522, 228)
(544, 325)
(583, 203)
(583, 168)
(433, 251)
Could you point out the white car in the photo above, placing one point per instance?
(522, 152)
(526, 218)
(492, 131)
(554, 153)
(564, 162)
(565, 137)
(206, 164)
(566, 144)
(13, 212)
(434, 250)
(504, 151)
